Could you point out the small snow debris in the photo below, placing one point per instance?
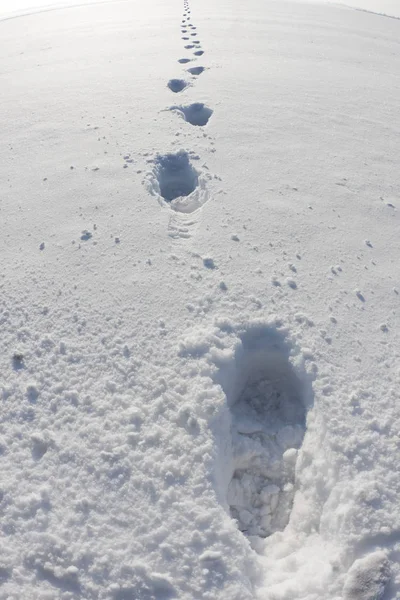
(396, 291)
(86, 235)
(192, 346)
(367, 578)
(359, 295)
(117, 240)
(235, 237)
(209, 263)
(41, 247)
(292, 268)
(384, 327)
(210, 556)
(71, 167)
(275, 281)
(223, 286)
(368, 243)
(291, 283)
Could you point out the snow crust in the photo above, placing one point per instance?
(200, 393)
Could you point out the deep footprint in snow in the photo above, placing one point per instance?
(268, 407)
(175, 175)
(195, 114)
(195, 70)
(177, 85)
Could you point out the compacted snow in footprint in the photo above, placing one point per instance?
(199, 301)
(268, 429)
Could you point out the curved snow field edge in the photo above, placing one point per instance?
(12, 9)
(26, 8)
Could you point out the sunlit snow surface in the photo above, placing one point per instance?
(199, 364)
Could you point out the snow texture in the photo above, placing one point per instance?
(199, 307)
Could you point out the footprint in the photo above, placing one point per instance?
(183, 61)
(196, 114)
(177, 85)
(268, 404)
(196, 70)
(183, 30)
(189, 46)
(193, 34)
(185, 38)
(175, 175)
(196, 41)
(175, 182)
(198, 52)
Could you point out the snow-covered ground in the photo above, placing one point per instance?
(200, 292)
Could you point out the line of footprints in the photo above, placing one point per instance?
(174, 178)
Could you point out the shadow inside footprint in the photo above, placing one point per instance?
(196, 114)
(195, 70)
(175, 175)
(198, 52)
(177, 85)
(183, 61)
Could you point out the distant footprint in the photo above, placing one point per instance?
(185, 38)
(177, 85)
(198, 52)
(189, 46)
(193, 34)
(183, 61)
(196, 70)
(196, 114)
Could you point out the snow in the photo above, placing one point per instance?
(199, 321)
